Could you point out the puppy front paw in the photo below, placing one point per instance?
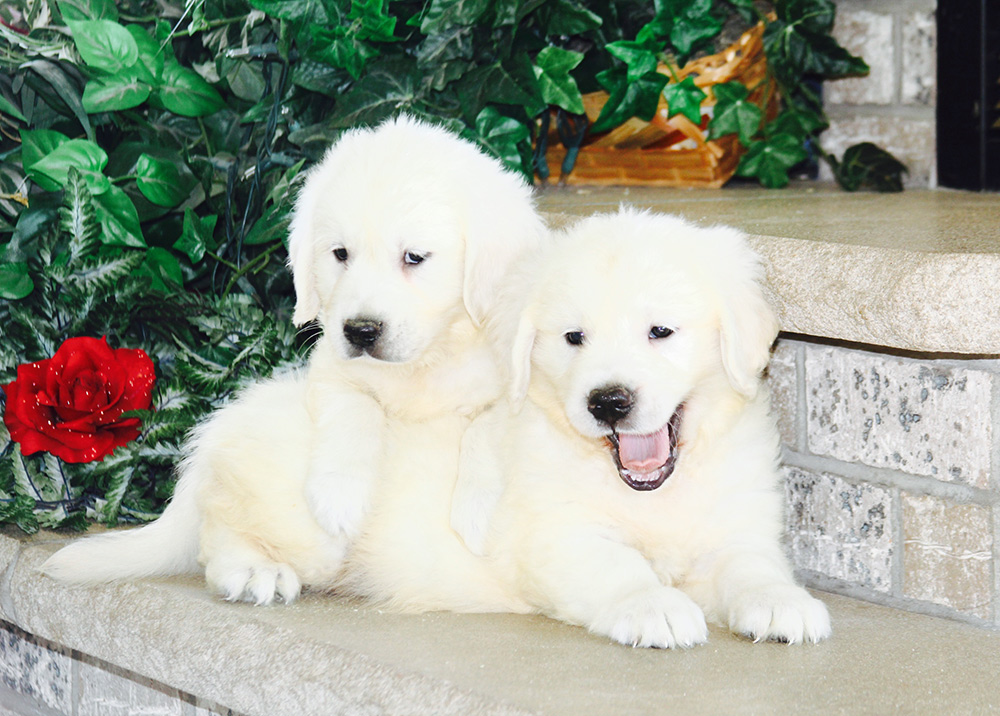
(661, 617)
(259, 582)
(781, 612)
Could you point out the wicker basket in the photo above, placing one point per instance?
(674, 151)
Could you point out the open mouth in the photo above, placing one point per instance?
(646, 461)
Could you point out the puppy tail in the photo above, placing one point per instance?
(164, 547)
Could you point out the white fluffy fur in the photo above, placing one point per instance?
(278, 483)
(643, 568)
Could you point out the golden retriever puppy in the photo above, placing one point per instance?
(632, 486)
(399, 242)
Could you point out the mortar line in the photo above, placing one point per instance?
(915, 484)
(801, 406)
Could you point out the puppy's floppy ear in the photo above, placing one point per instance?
(300, 254)
(501, 226)
(748, 325)
(520, 362)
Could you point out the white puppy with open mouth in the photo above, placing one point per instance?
(399, 243)
(631, 487)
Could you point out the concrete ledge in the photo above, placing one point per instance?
(916, 271)
(326, 655)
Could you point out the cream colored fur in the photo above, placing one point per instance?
(540, 494)
(406, 225)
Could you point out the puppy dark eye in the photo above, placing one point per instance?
(660, 332)
(574, 338)
(340, 253)
(411, 258)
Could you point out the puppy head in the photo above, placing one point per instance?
(632, 315)
(401, 232)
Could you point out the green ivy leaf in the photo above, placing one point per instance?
(799, 122)
(15, 283)
(640, 57)
(119, 219)
(798, 43)
(340, 47)
(866, 164)
(80, 154)
(684, 97)
(104, 45)
(628, 99)
(384, 91)
(693, 24)
(568, 17)
(770, 159)
(495, 84)
(196, 236)
(117, 92)
(734, 113)
(552, 70)
(186, 93)
(370, 20)
(304, 11)
(164, 182)
(444, 13)
(501, 136)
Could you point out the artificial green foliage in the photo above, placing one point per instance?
(867, 165)
(150, 151)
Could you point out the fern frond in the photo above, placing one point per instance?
(78, 218)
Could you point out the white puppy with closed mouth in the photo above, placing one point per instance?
(634, 477)
(398, 246)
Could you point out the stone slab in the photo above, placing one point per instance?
(915, 271)
(330, 656)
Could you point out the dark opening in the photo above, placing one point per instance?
(968, 105)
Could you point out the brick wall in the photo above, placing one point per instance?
(38, 678)
(891, 474)
(894, 105)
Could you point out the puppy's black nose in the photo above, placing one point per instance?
(362, 332)
(610, 404)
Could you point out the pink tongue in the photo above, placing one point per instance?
(644, 453)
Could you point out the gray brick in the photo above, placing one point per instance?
(919, 52)
(109, 693)
(909, 139)
(870, 35)
(839, 529)
(947, 554)
(900, 414)
(35, 671)
(781, 379)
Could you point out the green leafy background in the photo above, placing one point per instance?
(148, 152)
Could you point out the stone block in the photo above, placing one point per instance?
(918, 82)
(907, 415)
(909, 139)
(34, 670)
(947, 554)
(781, 380)
(113, 693)
(870, 36)
(839, 529)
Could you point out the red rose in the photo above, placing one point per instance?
(71, 404)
